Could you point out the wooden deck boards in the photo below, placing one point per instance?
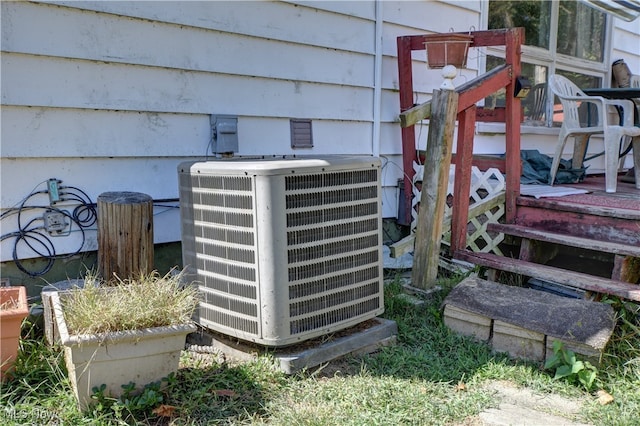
(598, 215)
(594, 222)
(549, 273)
(627, 196)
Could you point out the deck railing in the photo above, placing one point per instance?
(467, 114)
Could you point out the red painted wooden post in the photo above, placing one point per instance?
(405, 82)
(462, 179)
(514, 38)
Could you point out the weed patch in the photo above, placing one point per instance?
(568, 366)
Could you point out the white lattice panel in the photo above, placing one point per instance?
(484, 185)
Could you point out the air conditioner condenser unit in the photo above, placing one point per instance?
(283, 249)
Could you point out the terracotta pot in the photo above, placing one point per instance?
(14, 309)
(447, 49)
(118, 358)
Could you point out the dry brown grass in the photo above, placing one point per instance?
(147, 301)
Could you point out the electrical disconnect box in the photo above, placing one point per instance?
(224, 130)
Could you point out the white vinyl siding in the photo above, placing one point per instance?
(112, 95)
(626, 43)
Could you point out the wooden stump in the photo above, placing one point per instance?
(125, 234)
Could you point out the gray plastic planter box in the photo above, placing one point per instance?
(115, 359)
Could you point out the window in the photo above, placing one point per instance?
(563, 37)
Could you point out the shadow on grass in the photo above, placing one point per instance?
(39, 392)
(427, 350)
(221, 393)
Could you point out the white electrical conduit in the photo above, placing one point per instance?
(377, 81)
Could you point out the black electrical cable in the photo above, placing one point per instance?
(86, 197)
(34, 237)
(22, 236)
(18, 262)
(84, 215)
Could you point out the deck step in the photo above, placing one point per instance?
(549, 273)
(599, 224)
(583, 209)
(564, 239)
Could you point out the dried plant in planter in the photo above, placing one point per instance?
(10, 305)
(133, 304)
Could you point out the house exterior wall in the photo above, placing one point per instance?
(111, 96)
(625, 43)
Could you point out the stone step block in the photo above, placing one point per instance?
(518, 342)
(524, 322)
(467, 322)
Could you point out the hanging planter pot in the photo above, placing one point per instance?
(13, 309)
(447, 49)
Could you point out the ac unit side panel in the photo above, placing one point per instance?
(186, 223)
(220, 249)
(335, 251)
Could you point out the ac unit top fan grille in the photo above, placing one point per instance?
(283, 251)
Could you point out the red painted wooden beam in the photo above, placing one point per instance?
(480, 88)
(462, 179)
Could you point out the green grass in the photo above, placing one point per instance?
(431, 376)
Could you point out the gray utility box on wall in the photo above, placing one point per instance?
(283, 249)
(224, 133)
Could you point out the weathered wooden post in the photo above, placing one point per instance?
(125, 234)
(444, 107)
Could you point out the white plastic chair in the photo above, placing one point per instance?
(572, 97)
